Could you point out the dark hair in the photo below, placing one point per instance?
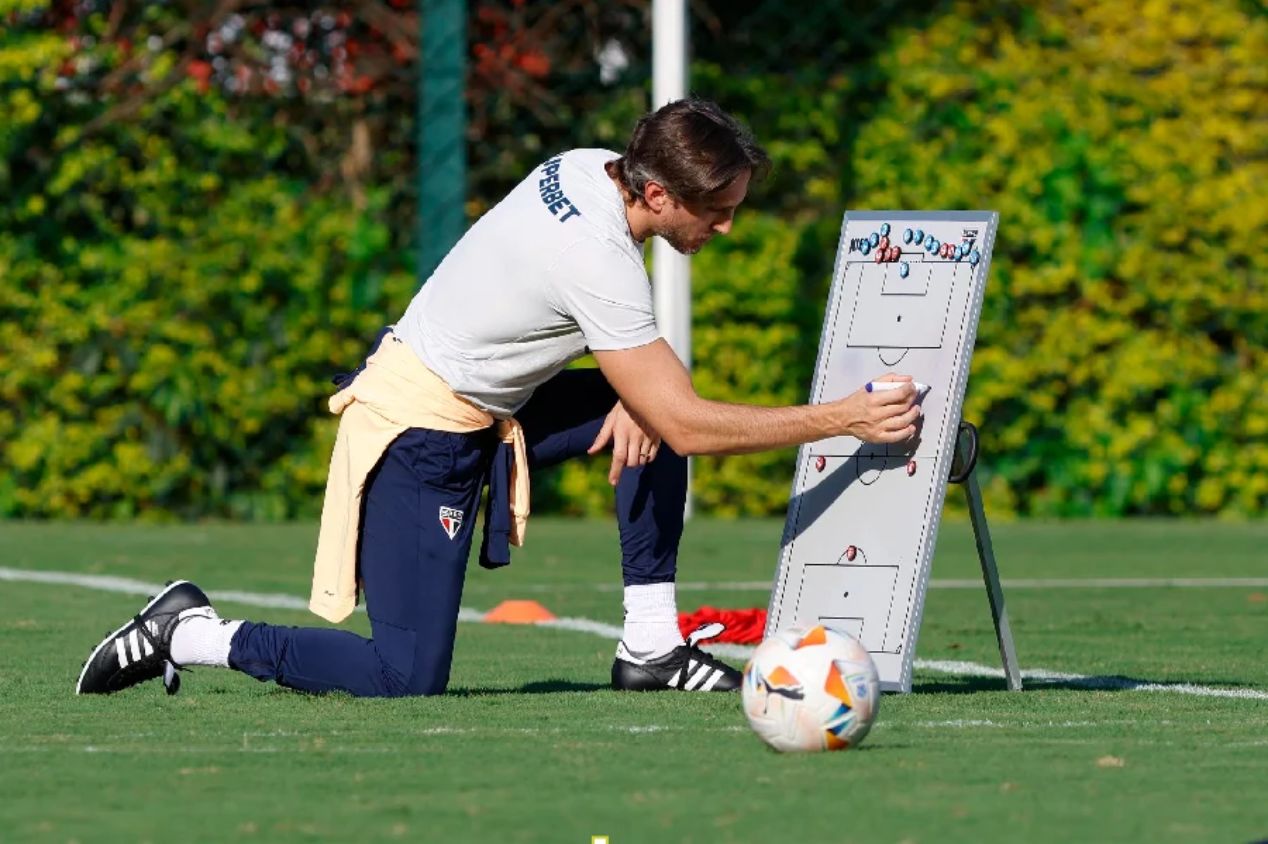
(691, 147)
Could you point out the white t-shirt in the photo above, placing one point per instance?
(550, 270)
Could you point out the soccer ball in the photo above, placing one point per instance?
(811, 688)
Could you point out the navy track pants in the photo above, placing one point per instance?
(413, 559)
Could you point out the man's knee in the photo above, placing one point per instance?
(421, 685)
(428, 687)
(409, 665)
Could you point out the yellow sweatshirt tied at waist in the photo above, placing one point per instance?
(394, 392)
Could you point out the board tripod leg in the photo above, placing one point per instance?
(966, 447)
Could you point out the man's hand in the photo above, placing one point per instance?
(656, 388)
(633, 443)
(883, 416)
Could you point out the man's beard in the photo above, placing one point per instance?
(681, 241)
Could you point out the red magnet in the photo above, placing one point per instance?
(894, 252)
(820, 462)
(851, 552)
(880, 255)
(911, 468)
(884, 244)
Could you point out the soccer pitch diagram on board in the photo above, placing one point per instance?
(863, 519)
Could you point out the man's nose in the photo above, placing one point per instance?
(724, 227)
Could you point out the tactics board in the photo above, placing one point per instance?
(863, 519)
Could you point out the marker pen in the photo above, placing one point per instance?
(880, 386)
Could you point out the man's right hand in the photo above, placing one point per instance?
(883, 416)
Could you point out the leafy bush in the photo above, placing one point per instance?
(180, 272)
(172, 304)
(1120, 359)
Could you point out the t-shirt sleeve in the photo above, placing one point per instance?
(607, 294)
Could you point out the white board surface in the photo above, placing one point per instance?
(863, 519)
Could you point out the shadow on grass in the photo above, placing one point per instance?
(539, 687)
(959, 686)
(1102, 683)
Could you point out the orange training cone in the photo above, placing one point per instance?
(518, 612)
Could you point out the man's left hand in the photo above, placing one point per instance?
(634, 443)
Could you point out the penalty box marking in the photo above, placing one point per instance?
(879, 311)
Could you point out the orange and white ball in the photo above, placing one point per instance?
(811, 688)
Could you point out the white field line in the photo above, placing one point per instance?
(1041, 676)
(946, 583)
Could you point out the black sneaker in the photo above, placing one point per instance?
(140, 649)
(686, 668)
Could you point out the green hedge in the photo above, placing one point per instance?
(175, 288)
(172, 305)
(1124, 339)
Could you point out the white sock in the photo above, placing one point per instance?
(202, 638)
(651, 620)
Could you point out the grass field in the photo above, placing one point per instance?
(530, 745)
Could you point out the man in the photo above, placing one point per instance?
(470, 389)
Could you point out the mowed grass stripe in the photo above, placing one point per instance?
(530, 745)
(110, 583)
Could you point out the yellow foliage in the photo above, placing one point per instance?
(1124, 334)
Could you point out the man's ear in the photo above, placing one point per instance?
(655, 196)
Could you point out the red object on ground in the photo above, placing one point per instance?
(743, 627)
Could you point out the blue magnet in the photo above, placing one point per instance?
(906, 235)
(920, 236)
(884, 229)
(974, 257)
(935, 246)
(874, 239)
(929, 241)
(903, 269)
(959, 251)
(865, 247)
